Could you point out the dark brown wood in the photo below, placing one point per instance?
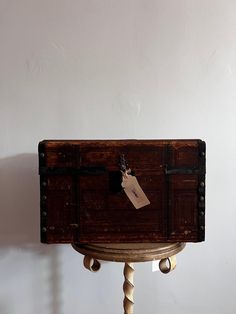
(82, 200)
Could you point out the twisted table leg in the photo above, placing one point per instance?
(128, 288)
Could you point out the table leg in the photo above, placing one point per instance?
(128, 288)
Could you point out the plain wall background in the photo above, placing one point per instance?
(115, 69)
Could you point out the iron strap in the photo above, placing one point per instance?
(83, 171)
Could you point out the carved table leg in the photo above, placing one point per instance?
(91, 264)
(167, 264)
(128, 288)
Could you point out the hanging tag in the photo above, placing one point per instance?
(134, 191)
(155, 266)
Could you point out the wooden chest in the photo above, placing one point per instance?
(82, 199)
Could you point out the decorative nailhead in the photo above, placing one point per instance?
(202, 213)
(202, 184)
(44, 197)
(202, 228)
(44, 183)
(42, 155)
(44, 229)
(203, 154)
(44, 214)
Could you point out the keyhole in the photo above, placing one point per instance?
(115, 179)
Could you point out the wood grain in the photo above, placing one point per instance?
(92, 207)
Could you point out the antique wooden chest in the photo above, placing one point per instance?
(83, 199)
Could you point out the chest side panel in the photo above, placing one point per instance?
(186, 192)
(58, 193)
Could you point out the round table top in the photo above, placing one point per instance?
(129, 252)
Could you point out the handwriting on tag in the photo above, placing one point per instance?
(134, 191)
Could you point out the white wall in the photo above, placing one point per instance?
(115, 69)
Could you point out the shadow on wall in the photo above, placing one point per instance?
(19, 201)
(19, 207)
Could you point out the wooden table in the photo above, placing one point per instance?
(129, 253)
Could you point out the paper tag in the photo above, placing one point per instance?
(155, 266)
(134, 191)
